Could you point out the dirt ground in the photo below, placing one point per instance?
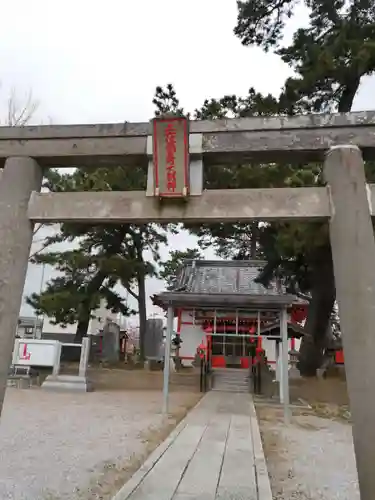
(317, 390)
(109, 379)
(313, 457)
(61, 446)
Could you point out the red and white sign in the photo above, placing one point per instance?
(25, 355)
(171, 157)
(35, 352)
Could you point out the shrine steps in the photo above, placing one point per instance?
(230, 380)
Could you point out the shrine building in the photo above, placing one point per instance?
(219, 305)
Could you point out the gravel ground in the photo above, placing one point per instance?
(78, 446)
(313, 459)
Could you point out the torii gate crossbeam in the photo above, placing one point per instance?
(262, 139)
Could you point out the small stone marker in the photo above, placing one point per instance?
(79, 382)
(111, 342)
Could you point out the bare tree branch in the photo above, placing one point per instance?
(20, 114)
(133, 294)
(37, 228)
(46, 242)
(37, 252)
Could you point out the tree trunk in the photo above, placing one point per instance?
(323, 295)
(323, 282)
(254, 240)
(142, 314)
(82, 327)
(84, 310)
(348, 95)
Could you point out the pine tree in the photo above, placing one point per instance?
(330, 57)
(170, 268)
(105, 256)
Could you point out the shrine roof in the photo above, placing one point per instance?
(224, 283)
(294, 330)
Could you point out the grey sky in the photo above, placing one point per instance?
(91, 61)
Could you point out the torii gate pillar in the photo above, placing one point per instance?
(353, 252)
(21, 176)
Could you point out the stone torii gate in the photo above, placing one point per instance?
(338, 140)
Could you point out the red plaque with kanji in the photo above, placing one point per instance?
(171, 157)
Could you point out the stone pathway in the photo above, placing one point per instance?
(214, 454)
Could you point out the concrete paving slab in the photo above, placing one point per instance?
(187, 496)
(203, 473)
(263, 481)
(162, 481)
(238, 481)
(214, 455)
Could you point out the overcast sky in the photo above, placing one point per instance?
(90, 61)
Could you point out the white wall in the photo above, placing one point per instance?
(101, 315)
(95, 324)
(48, 327)
(270, 349)
(191, 337)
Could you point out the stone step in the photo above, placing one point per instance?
(225, 382)
(231, 389)
(231, 375)
(231, 370)
(230, 379)
(240, 388)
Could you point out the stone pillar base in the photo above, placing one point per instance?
(68, 383)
